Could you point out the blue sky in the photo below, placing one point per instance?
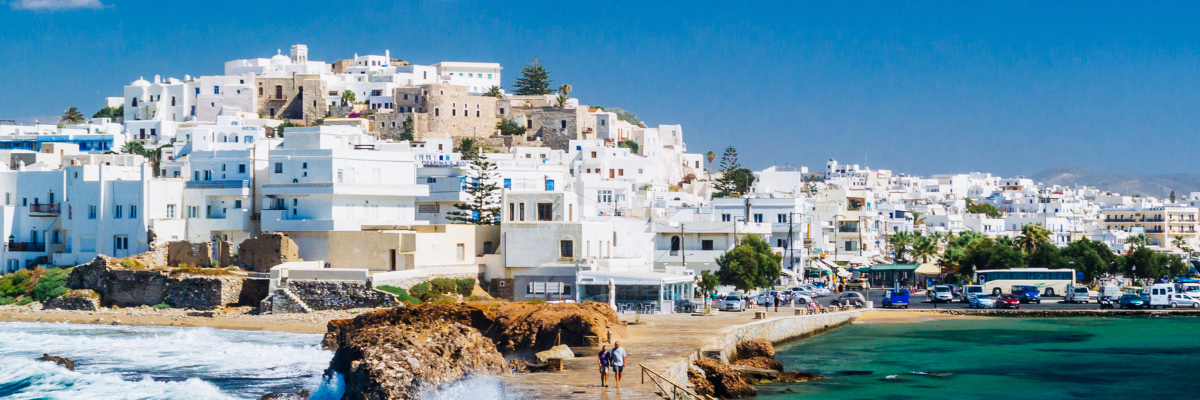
(916, 87)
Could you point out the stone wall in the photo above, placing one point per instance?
(340, 295)
(202, 292)
(77, 300)
(439, 109)
(261, 253)
(301, 97)
(254, 291)
(124, 287)
(776, 331)
(224, 254)
(132, 288)
(185, 252)
(284, 302)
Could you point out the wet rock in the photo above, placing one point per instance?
(796, 376)
(754, 375)
(755, 348)
(726, 382)
(65, 363)
(301, 395)
(760, 362)
(560, 351)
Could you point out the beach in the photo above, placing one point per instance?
(239, 318)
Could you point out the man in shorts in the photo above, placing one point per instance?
(605, 361)
(617, 355)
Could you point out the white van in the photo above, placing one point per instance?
(1111, 292)
(1077, 294)
(1158, 295)
(1191, 289)
(971, 290)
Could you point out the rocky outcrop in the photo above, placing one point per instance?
(261, 253)
(301, 395)
(65, 363)
(755, 348)
(401, 352)
(77, 300)
(725, 382)
(561, 352)
(760, 362)
(395, 353)
(126, 287)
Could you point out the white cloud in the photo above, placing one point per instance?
(54, 4)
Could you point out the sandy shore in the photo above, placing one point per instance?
(898, 316)
(231, 318)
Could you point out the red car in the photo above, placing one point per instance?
(1008, 301)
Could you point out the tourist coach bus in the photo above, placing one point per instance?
(1050, 282)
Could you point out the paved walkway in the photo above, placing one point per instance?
(656, 341)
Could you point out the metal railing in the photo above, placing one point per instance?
(225, 184)
(48, 208)
(668, 388)
(25, 246)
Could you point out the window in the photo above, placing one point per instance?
(780, 242)
(91, 211)
(279, 168)
(437, 112)
(508, 183)
(566, 249)
(593, 154)
(706, 245)
(339, 175)
(522, 211)
(170, 211)
(512, 214)
(851, 245)
(782, 218)
(241, 168)
(132, 211)
(725, 218)
(545, 212)
(604, 196)
(621, 172)
(459, 251)
(429, 208)
(549, 185)
(758, 218)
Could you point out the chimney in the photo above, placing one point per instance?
(388, 55)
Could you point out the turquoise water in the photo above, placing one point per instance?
(1010, 358)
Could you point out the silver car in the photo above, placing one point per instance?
(980, 300)
(733, 302)
(1183, 300)
(940, 294)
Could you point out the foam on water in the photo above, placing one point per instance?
(159, 362)
(477, 388)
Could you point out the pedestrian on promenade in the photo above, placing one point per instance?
(618, 361)
(776, 297)
(605, 359)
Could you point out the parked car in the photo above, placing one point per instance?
(849, 299)
(940, 294)
(800, 291)
(1027, 294)
(955, 289)
(1008, 301)
(858, 284)
(895, 298)
(980, 300)
(733, 302)
(1110, 292)
(1183, 300)
(1158, 295)
(801, 300)
(969, 290)
(1131, 301)
(1077, 294)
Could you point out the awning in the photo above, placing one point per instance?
(929, 269)
(632, 278)
(789, 273)
(894, 267)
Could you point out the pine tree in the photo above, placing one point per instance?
(534, 80)
(483, 208)
(406, 131)
(727, 183)
(1172, 196)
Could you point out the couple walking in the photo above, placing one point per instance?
(614, 359)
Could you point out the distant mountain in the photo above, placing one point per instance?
(1159, 185)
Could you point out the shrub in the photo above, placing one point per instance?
(25, 301)
(419, 290)
(161, 306)
(132, 264)
(438, 298)
(52, 284)
(466, 286)
(443, 286)
(400, 293)
(4, 301)
(17, 283)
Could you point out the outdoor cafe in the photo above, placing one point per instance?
(642, 292)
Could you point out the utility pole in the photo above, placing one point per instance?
(682, 249)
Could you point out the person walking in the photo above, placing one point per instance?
(605, 359)
(618, 355)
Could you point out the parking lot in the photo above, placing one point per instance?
(918, 300)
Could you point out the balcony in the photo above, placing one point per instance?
(278, 97)
(1119, 220)
(45, 210)
(25, 246)
(351, 189)
(230, 184)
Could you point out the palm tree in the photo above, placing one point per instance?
(923, 248)
(918, 219)
(561, 99)
(347, 97)
(1179, 242)
(564, 89)
(72, 116)
(1032, 235)
(1139, 240)
(900, 242)
(938, 238)
(1006, 241)
(496, 92)
(467, 148)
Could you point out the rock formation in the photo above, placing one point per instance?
(65, 363)
(755, 348)
(760, 362)
(132, 287)
(538, 327)
(76, 300)
(725, 382)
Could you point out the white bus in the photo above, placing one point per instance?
(1049, 282)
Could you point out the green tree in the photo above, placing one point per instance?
(534, 79)
(1138, 240)
(72, 116)
(466, 147)
(984, 208)
(406, 130)
(630, 144)
(734, 178)
(924, 248)
(132, 147)
(750, 265)
(564, 94)
(509, 127)
(901, 242)
(918, 219)
(483, 206)
(1032, 236)
(347, 97)
(495, 91)
(110, 112)
(707, 283)
(1172, 196)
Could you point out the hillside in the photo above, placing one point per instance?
(1158, 185)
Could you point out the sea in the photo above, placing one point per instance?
(127, 362)
(1020, 358)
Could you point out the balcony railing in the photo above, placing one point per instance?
(45, 209)
(228, 184)
(25, 246)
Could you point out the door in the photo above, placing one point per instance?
(392, 260)
(120, 246)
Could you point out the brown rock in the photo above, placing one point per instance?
(65, 363)
(755, 348)
(725, 381)
(760, 362)
(700, 385)
(301, 395)
(795, 376)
